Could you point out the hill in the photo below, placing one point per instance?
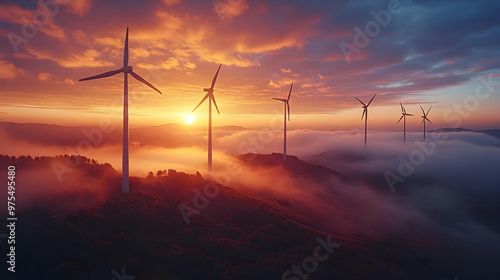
(175, 225)
(491, 132)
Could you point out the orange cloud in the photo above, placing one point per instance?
(139, 52)
(108, 41)
(77, 7)
(281, 82)
(190, 65)
(227, 9)
(170, 63)
(16, 15)
(167, 64)
(171, 2)
(9, 71)
(69, 81)
(45, 76)
(89, 58)
(310, 85)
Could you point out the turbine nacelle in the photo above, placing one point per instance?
(281, 99)
(127, 69)
(208, 90)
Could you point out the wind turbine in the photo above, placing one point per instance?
(126, 69)
(210, 95)
(365, 112)
(403, 116)
(424, 117)
(287, 109)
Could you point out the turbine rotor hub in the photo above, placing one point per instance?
(127, 69)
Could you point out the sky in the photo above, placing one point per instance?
(443, 54)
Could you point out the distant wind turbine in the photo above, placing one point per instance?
(403, 116)
(365, 112)
(125, 70)
(210, 96)
(424, 117)
(286, 103)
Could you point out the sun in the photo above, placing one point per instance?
(189, 119)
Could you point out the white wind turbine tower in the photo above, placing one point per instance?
(125, 70)
(210, 96)
(403, 116)
(365, 112)
(424, 117)
(287, 109)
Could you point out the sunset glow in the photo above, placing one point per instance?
(177, 44)
(189, 119)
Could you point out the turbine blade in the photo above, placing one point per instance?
(125, 51)
(423, 112)
(140, 79)
(371, 100)
(288, 106)
(203, 100)
(215, 77)
(360, 101)
(401, 118)
(428, 111)
(409, 114)
(103, 75)
(215, 103)
(364, 111)
(402, 109)
(290, 93)
(428, 120)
